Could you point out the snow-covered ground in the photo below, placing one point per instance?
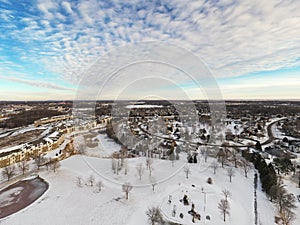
(106, 147)
(67, 203)
(278, 134)
(143, 106)
(26, 129)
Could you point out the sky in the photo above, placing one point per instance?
(250, 47)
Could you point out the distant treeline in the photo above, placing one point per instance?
(266, 108)
(25, 118)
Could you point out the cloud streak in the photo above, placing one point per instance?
(36, 83)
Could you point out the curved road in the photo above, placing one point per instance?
(269, 131)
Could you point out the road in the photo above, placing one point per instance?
(270, 133)
(268, 141)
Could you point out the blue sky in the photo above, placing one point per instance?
(252, 47)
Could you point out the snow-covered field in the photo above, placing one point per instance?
(66, 203)
(143, 106)
(106, 147)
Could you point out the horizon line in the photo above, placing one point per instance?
(142, 100)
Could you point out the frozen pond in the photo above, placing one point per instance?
(21, 194)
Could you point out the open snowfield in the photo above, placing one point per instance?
(105, 148)
(66, 203)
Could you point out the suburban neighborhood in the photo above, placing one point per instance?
(153, 137)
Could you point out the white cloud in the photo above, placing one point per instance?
(67, 7)
(46, 7)
(233, 37)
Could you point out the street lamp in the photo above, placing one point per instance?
(204, 200)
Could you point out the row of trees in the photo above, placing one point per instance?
(22, 167)
(274, 188)
(266, 171)
(122, 163)
(10, 171)
(245, 165)
(90, 181)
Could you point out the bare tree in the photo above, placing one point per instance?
(154, 216)
(149, 165)
(205, 155)
(148, 162)
(187, 171)
(224, 208)
(287, 216)
(114, 165)
(126, 167)
(91, 180)
(222, 159)
(235, 157)
(39, 160)
(8, 172)
(119, 165)
(214, 166)
(79, 181)
(23, 166)
(230, 173)
(55, 164)
(153, 182)
(226, 194)
(140, 170)
(99, 185)
(123, 154)
(284, 200)
(172, 158)
(246, 166)
(126, 187)
(46, 162)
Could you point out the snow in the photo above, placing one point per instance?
(74, 205)
(237, 131)
(54, 134)
(5, 134)
(12, 148)
(85, 205)
(32, 176)
(143, 106)
(292, 187)
(8, 196)
(106, 147)
(55, 152)
(48, 140)
(278, 134)
(26, 129)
